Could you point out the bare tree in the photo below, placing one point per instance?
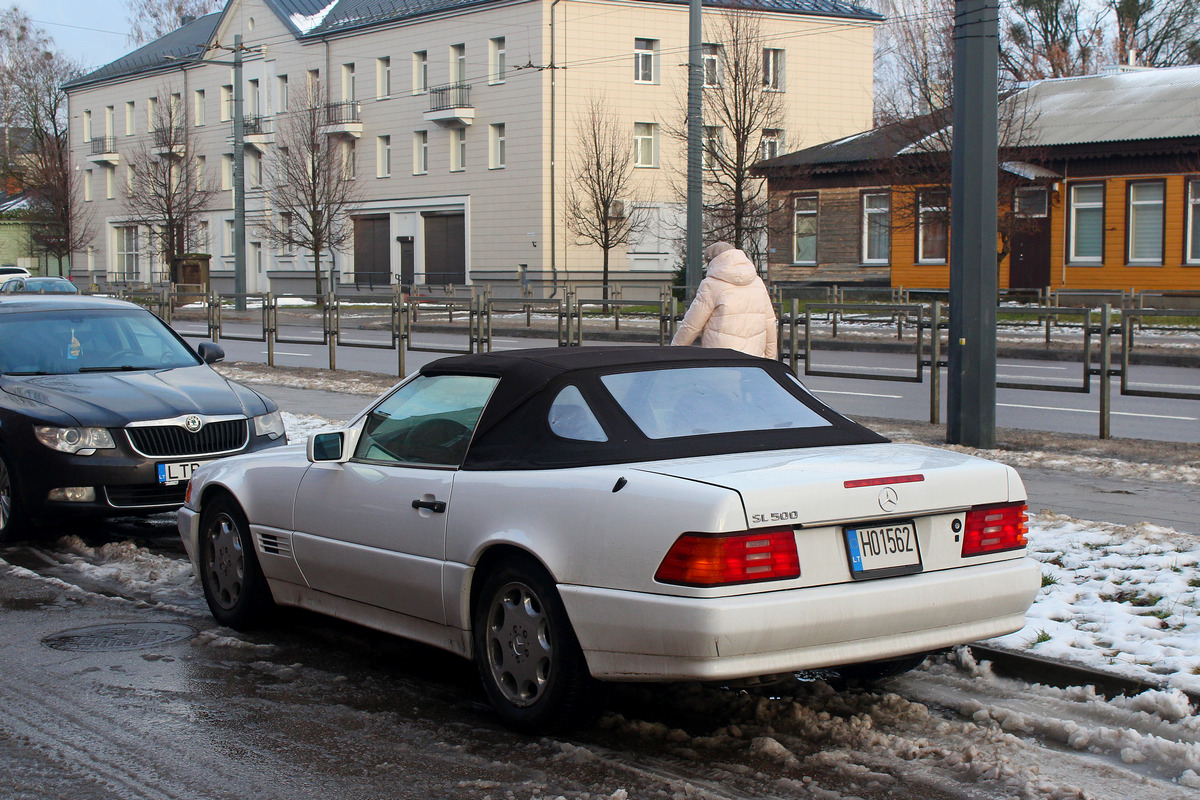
(168, 191)
(1051, 39)
(150, 19)
(741, 110)
(914, 58)
(599, 206)
(310, 184)
(1156, 33)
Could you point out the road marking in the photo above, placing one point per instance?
(282, 353)
(860, 394)
(1097, 411)
(1031, 366)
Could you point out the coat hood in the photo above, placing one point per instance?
(734, 267)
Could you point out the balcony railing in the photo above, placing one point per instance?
(342, 113)
(454, 95)
(103, 144)
(170, 137)
(256, 126)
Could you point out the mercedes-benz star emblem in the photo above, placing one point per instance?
(888, 499)
(193, 423)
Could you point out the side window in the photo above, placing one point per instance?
(572, 418)
(428, 420)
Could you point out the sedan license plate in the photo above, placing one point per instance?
(882, 549)
(171, 473)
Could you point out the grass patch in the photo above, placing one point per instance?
(1049, 580)
(1041, 637)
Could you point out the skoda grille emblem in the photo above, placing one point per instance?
(194, 423)
(888, 499)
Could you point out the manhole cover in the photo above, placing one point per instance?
(120, 636)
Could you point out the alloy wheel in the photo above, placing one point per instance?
(519, 650)
(226, 561)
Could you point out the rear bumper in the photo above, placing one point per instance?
(638, 636)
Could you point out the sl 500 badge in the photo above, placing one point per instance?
(774, 516)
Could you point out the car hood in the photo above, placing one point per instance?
(114, 399)
(769, 482)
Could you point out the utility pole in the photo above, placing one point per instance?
(695, 143)
(239, 178)
(971, 375)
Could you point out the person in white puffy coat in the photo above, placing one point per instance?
(732, 307)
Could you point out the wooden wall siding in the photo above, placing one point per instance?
(906, 271)
(839, 235)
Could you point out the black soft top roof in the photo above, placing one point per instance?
(514, 431)
(17, 303)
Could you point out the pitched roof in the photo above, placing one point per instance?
(862, 148)
(163, 53)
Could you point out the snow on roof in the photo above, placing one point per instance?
(305, 23)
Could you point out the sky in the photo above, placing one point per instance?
(92, 31)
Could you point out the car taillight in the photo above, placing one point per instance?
(699, 559)
(993, 529)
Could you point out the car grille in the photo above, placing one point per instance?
(169, 441)
(145, 495)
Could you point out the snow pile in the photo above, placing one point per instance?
(1120, 598)
(300, 426)
(125, 564)
(1093, 465)
(322, 380)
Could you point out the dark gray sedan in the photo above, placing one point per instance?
(104, 410)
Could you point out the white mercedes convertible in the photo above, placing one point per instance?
(619, 514)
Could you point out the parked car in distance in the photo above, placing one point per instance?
(29, 285)
(104, 410)
(620, 514)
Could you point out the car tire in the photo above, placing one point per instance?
(873, 671)
(532, 667)
(234, 585)
(13, 523)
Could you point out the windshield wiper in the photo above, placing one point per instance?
(122, 368)
(31, 372)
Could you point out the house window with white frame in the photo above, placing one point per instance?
(230, 235)
(1193, 221)
(226, 170)
(712, 145)
(287, 222)
(644, 51)
(711, 58)
(313, 86)
(198, 107)
(496, 145)
(127, 261)
(87, 186)
(876, 228)
(645, 144)
(203, 241)
(283, 103)
(458, 149)
(804, 230)
(226, 111)
(1085, 218)
(176, 109)
(1145, 222)
(254, 169)
(933, 223)
(458, 63)
(496, 60)
(772, 142)
(110, 115)
(87, 126)
(772, 69)
(383, 157)
(130, 117)
(420, 152)
(349, 90)
(350, 157)
(110, 182)
(383, 78)
(254, 97)
(201, 173)
(420, 64)
(151, 114)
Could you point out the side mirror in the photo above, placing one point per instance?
(327, 447)
(210, 352)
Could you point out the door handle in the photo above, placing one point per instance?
(436, 506)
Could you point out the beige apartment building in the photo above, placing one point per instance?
(460, 117)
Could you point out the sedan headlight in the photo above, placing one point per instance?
(80, 441)
(269, 425)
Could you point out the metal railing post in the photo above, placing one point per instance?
(935, 364)
(793, 338)
(402, 341)
(270, 323)
(331, 328)
(1105, 364)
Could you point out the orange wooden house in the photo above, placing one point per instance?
(1099, 190)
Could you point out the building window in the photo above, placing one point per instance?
(254, 97)
(287, 222)
(350, 157)
(383, 78)
(281, 88)
(712, 65)
(313, 86)
(1030, 202)
(110, 180)
(804, 216)
(772, 142)
(130, 178)
(254, 259)
(254, 169)
(773, 70)
(87, 186)
(1145, 222)
(130, 116)
(1193, 221)
(420, 61)
(198, 107)
(496, 146)
(645, 144)
(876, 228)
(1086, 220)
(127, 268)
(712, 145)
(226, 110)
(230, 236)
(110, 124)
(87, 126)
(203, 241)
(643, 60)
(151, 114)
(933, 238)
(496, 58)
(458, 149)
(383, 157)
(227, 171)
(458, 63)
(348, 87)
(420, 152)
(201, 173)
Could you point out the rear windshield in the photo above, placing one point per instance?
(668, 403)
(99, 340)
